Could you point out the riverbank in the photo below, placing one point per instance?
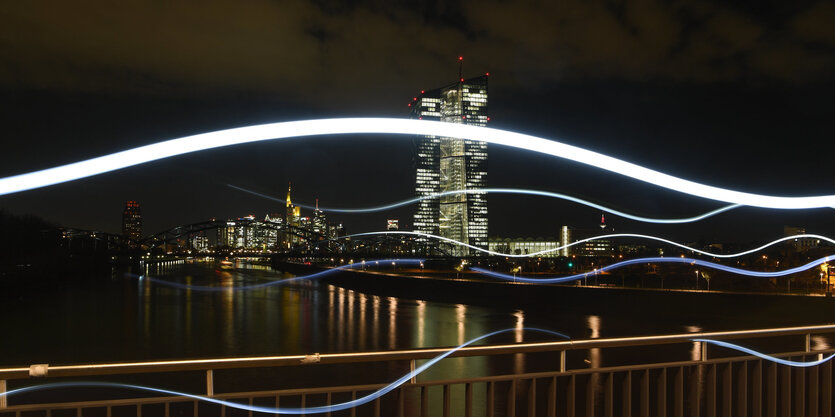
(643, 302)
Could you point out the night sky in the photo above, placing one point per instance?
(738, 95)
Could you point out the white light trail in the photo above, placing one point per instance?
(301, 128)
(609, 236)
(501, 191)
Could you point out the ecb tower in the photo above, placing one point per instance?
(450, 164)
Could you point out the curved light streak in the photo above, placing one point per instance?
(273, 283)
(502, 191)
(764, 356)
(301, 128)
(614, 235)
(275, 410)
(621, 264)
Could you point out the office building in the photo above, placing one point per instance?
(449, 164)
(132, 222)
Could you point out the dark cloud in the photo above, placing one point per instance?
(334, 49)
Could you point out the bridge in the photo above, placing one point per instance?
(708, 381)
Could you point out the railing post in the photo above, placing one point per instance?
(210, 383)
(808, 342)
(627, 395)
(562, 361)
(704, 351)
(826, 389)
(742, 389)
(644, 401)
(3, 400)
(661, 388)
(412, 370)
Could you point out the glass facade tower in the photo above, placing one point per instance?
(448, 164)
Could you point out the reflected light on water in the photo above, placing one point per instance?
(392, 322)
(362, 300)
(350, 324)
(519, 358)
(331, 308)
(340, 320)
(696, 349)
(460, 318)
(375, 330)
(421, 325)
(594, 354)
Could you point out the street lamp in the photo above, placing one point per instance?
(697, 279)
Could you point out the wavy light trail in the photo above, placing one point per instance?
(301, 128)
(558, 248)
(764, 356)
(502, 191)
(699, 262)
(274, 283)
(275, 410)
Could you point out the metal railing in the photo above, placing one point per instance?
(712, 385)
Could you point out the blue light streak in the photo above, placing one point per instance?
(621, 264)
(502, 191)
(284, 281)
(764, 356)
(609, 236)
(276, 410)
(250, 134)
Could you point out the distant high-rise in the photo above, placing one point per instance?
(320, 222)
(292, 219)
(449, 164)
(132, 221)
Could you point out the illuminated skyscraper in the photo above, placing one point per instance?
(293, 216)
(132, 222)
(447, 164)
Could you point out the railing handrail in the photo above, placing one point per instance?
(122, 368)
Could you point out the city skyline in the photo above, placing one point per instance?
(751, 127)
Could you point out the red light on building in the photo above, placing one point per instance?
(410, 104)
(487, 74)
(488, 119)
(421, 91)
(420, 117)
(414, 98)
(462, 80)
(460, 58)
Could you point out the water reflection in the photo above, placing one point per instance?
(392, 322)
(362, 299)
(421, 323)
(594, 354)
(519, 358)
(696, 347)
(154, 322)
(460, 318)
